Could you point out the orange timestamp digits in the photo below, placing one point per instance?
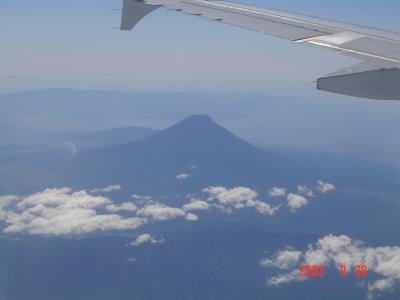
(360, 271)
(312, 271)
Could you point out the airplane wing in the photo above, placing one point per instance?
(377, 76)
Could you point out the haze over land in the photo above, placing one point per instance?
(325, 124)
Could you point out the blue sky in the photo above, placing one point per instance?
(51, 44)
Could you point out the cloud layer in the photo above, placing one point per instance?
(65, 212)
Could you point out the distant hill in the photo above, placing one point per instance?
(38, 160)
(97, 137)
(80, 138)
(198, 147)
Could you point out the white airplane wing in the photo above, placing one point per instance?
(377, 76)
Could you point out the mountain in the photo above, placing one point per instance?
(197, 146)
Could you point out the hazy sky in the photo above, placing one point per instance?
(69, 44)
(47, 44)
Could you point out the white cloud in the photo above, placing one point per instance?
(325, 187)
(284, 259)
(62, 198)
(107, 189)
(191, 217)
(160, 212)
(67, 222)
(304, 190)
(284, 278)
(196, 205)
(126, 206)
(238, 198)
(277, 192)
(140, 197)
(263, 207)
(6, 200)
(182, 176)
(131, 260)
(63, 212)
(295, 201)
(146, 238)
(340, 250)
(380, 285)
(224, 209)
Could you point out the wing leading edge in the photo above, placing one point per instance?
(376, 77)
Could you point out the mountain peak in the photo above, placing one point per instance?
(197, 121)
(198, 118)
(197, 129)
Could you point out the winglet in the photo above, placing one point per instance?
(133, 11)
(364, 80)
